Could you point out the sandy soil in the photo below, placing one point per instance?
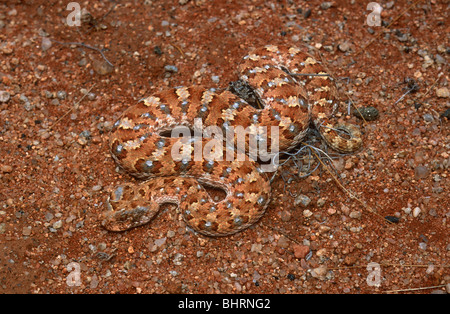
(59, 97)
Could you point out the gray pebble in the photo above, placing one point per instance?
(171, 68)
(302, 200)
(439, 59)
(48, 94)
(215, 79)
(160, 242)
(61, 94)
(28, 106)
(23, 98)
(421, 172)
(428, 117)
(86, 134)
(46, 43)
(423, 246)
(91, 96)
(432, 212)
(83, 62)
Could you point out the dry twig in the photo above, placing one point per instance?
(85, 46)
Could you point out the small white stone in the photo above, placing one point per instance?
(416, 211)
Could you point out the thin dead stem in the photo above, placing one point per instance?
(85, 46)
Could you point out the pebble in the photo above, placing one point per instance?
(26, 231)
(300, 251)
(285, 215)
(307, 213)
(439, 59)
(302, 200)
(345, 46)
(446, 114)
(428, 117)
(171, 68)
(416, 212)
(160, 242)
(283, 242)
(326, 5)
(215, 79)
(57, 224)
(321, 201)
(102, 67)
(96, 188)
(443, 92)
(319, 272)
(6, 168)
(355, 214)
(177, 260)
(331, 211)
(307, 13)
(46, 43)
(421, 172)
(170, 234)
(61, 94)
(256, 247)
(390, 5)
(4, 96)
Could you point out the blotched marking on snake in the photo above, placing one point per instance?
(295, 92)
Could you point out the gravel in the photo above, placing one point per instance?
(302, 200)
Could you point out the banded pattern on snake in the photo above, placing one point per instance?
(295, 92)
